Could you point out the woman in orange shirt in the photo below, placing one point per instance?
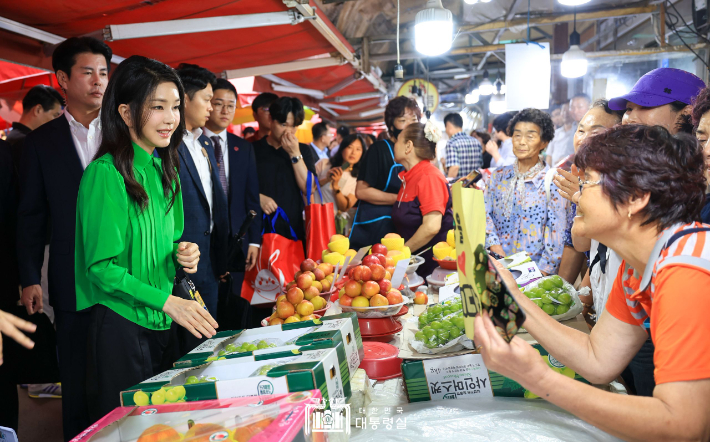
(641, 194)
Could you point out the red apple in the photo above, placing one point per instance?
(284, 310)
(369, 260)
(319, 274)
(294, 295)
(310, 293)
(365, 274)
(352, 288)
(308, 265)
(378, 272)
(311, 274)
(388, 275)
(346, 301)
(385, 286)
(379, 248)
(389, 261)
(390, 269)
(326, 284)
(420, 298)
(276, 321)
(394, 297)
(378, 301)
(382, 258)
(370, 289)
(304, 282)
(357, 273)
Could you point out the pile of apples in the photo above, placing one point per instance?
(444, 251)
(369, 284)
(302, 296)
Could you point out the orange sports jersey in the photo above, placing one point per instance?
(673, 299)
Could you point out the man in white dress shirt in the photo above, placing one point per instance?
(52, 163)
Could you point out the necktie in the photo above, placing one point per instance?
(219, 154)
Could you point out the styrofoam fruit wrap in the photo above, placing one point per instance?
(372, 312)
(576, 306)
(456, 344)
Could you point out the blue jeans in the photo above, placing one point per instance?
(639, 374)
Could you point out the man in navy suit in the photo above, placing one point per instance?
(204, 200)
(237, 172)
(53, 160)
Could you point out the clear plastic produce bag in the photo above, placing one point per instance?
(495, 419)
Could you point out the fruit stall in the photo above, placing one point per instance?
(361, 347)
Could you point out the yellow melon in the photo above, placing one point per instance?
(450, 240)
(334, 258)
(441, 250)
(393, 243)
(339, 245)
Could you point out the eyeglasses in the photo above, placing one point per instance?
(265, 109)
(587, 183)
(218, 107)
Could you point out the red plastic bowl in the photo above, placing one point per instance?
(384, 338)
(379, 326)
(403, 311)
(381, 361)
(446, 264)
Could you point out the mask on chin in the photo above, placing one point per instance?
(396, 132)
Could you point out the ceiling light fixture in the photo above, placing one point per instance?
(574, 61)
(486, 87)
(433, 29)
(573, 2)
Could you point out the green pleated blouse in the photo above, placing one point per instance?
(126, 257)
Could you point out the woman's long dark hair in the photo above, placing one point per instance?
(338, 160)
(133, 83)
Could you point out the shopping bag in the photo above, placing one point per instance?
(320, 221)
(279, 260)
(469, 232)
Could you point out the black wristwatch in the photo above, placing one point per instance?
(294, 160)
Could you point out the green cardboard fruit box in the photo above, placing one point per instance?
(466, 376)
(316, 366)
(287, 338)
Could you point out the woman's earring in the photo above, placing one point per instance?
(629, 214)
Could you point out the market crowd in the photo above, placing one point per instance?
(138, 182)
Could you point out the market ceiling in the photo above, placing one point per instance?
(324, 55)
(229, 52)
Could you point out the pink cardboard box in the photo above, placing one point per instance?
(276, 418)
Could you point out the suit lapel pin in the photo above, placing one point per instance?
(236, 149)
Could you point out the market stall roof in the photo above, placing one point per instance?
(229, 52)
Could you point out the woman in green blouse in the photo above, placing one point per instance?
(129, 221)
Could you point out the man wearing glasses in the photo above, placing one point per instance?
(236, 168)
(260, 110)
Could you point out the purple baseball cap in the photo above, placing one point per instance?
(661, 86)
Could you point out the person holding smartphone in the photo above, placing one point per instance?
(341, 174)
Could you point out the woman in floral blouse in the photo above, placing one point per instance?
(519, 214)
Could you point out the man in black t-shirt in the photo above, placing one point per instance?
(282, 165)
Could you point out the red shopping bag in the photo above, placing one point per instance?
(320, 222)
(279, 260)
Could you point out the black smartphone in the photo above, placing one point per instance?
(496, 297)
(471, 179)
(345, 165)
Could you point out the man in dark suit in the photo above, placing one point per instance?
(237, 172)
(204, 200)
(40, 105)
(53, 160)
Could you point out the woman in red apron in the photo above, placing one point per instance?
(422, 214)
